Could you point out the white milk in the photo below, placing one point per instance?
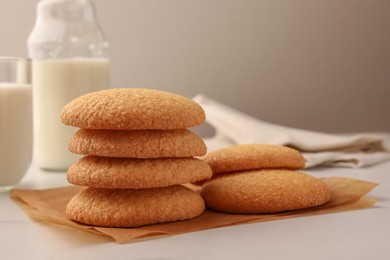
(55, 83)
(15, 132)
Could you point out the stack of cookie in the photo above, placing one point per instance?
(138, 151)
(259, 178)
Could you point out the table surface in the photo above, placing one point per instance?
(360, 234)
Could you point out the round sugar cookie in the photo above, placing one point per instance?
(253, 157)
(137, 143)
(266, 191)
(126, 173)
(132, 109)
(133, 208)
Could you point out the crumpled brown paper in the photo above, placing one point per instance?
(49, 206)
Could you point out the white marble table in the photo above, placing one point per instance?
(362, 234)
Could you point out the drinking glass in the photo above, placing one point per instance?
(15, 120)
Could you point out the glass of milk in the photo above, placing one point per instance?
(15, 120)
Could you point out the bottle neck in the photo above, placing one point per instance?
(67, 10)
(67, 29)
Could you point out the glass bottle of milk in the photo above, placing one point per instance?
(70, 57)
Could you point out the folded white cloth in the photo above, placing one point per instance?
(234, 127)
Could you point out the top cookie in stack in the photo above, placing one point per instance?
(132, 109)
(135, 140)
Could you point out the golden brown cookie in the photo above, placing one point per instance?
(124, 173)
(133, 208)
(253, 157)
(137, 143)
(266, 191)
(132, 109)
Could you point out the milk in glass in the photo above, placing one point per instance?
(15, 132)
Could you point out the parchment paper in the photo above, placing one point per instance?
(49, 206)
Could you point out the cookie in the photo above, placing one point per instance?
(133, 208)
(253, 157)
(123, 173)
(137, 143)
(266, 191)
(132, 109)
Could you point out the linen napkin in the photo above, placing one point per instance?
(234, 127)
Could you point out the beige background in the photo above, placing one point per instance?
(318, 65)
